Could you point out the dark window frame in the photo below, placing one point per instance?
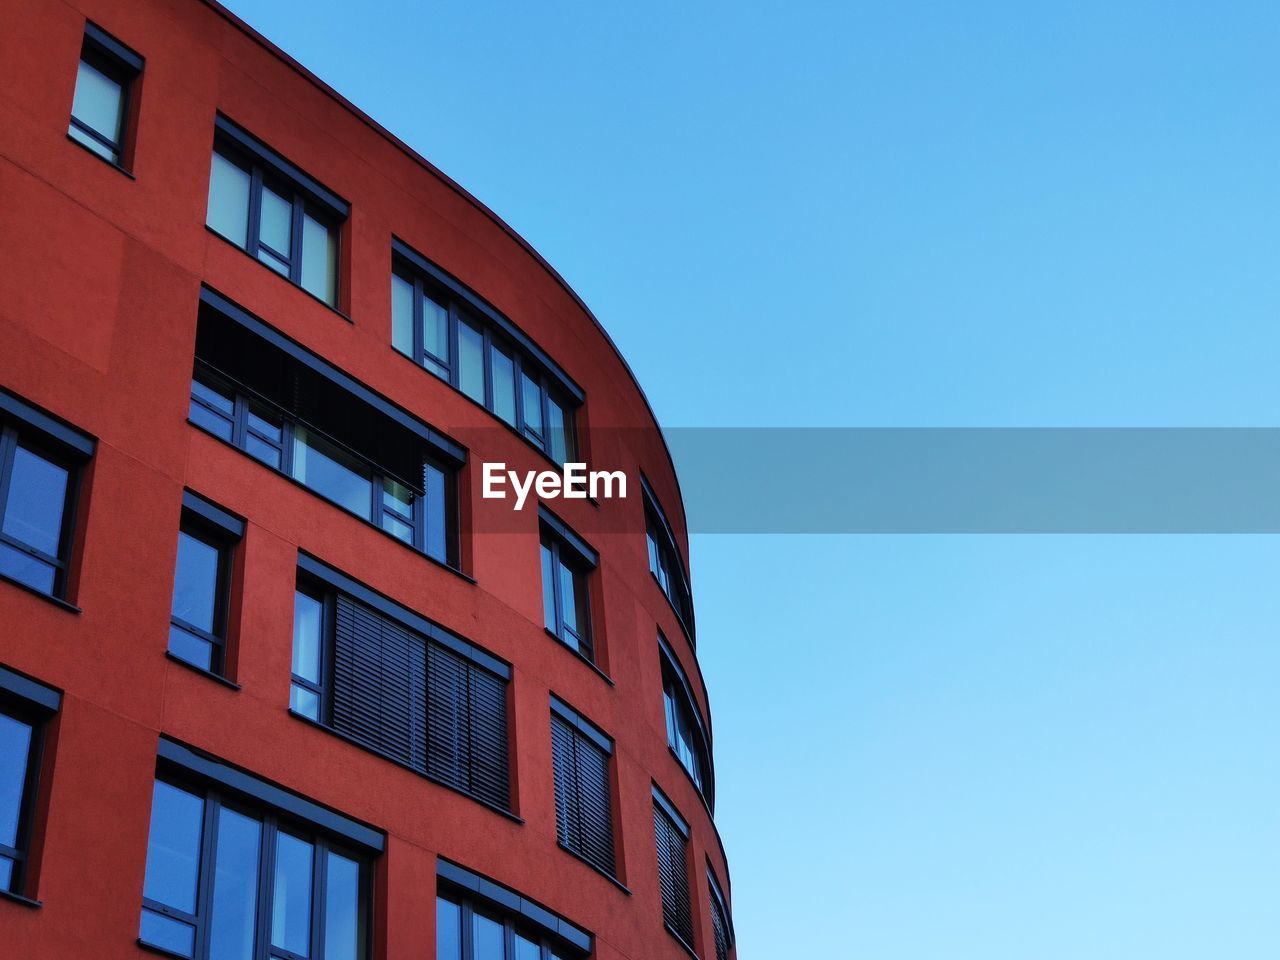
(245, 401)
(498, 334)
(120, 63)
(570, 551)
(38, 432)
(584, 735)
(670, 827)
(720, 907)
(434, 450)
(674, 676)
(663, 552)
(37, 705)
(268, 169)
(471, 894)
(223, 532)
(216, 797)
(322, 583)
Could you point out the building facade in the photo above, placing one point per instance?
(276, 680)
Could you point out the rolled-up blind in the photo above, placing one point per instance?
(584, 814)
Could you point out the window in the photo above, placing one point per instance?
(104, 84)
(721, 927)
(672, 835)
(665, 563)
(686, 735)
(229, 877)
(566, 563)
(301, 417)
(399, 685)
(584, 817)
(478, 919)
(39, 465)
(202, 584)
(25, 708)
(275, 212)
(447, 329)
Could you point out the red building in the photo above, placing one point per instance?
(276, 680)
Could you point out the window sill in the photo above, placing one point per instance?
(403, 766)
(56, 601)
(365, 520)
(231, 243)
(608, 876)
(580, 656)
(207, 674)
(110, 163)
(680, 940)
(20, 900)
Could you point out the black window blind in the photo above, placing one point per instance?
(584, 816)
(673, 875)
(419, 703)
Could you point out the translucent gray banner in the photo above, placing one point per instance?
(925, 480)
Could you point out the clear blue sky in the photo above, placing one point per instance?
(971, 748)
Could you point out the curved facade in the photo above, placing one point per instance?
(276, 679)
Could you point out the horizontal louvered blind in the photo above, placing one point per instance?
(419, 703)
(584, 814)
(673, 875)
(720, 927)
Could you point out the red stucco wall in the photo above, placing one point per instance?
(99, 280)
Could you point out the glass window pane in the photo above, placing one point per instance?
(304, 701)
(434, 507)
(319, 259)
(448, 930)
(291, 897)
(265, 423)
(471, 361)
(261, 450)
(195, 582)
(167, 933)
(342, 909)
(402, 315)
(557, 432)
(96, 146)
(213, 396)
(98, 102)
(331, 472)
(435, 329)
(276, 226)
(527, 949)
(235, 887)
(173, 850)
(215, 424)
(15, 751)
(532, 396)
(308, 614)
(570, 605)
(548, 588)
(195, 650)
(278, 264)
(502, 369)
(34, 572)
(229, 200)
(488, 938)
(37, 495)
(6, 873)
